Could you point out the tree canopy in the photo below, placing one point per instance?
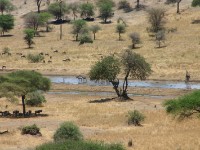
(109, 68)
(6, 23)
(58, 9)
(6, 5)
(184, 106)
(20, 83)
(87, 10)
(195, 3)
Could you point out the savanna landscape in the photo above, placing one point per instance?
(128, 46)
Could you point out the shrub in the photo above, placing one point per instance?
(155, 18)
(35, 58)
(160, 37)
(35, 99)
(80, 145)
(29, 35)
(123, 4)
(135, 37)
(6, 50)
(195, 3)
(67, 131)
(85, 38)
(135, 117)
(120, 28)
(32, 130)
(184, 106)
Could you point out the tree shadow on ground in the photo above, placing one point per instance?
(102, 100)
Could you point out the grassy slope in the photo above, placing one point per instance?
(168, 63)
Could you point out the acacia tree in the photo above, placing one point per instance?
(108, 69)
(184, 106)
(20, 83)
(38, 2)
(29, 35)
(156, 19)
(120, 28)
(105, 9)
(6, 5)
(74, 7)
(78, 27)
(87, 10)
(58, 9)
(6, 23)
(135, 38)
(95, 29)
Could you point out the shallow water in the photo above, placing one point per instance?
(132, 83)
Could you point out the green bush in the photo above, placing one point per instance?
(135, 117)
(184, 106)
(35, 58)
(35, 99)
(80, 145)
(67, 131)
(125, 5)
(85, 38)
(32, 130)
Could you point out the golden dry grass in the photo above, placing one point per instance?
(103, 122)
(108, 121)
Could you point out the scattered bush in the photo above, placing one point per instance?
(80, 145)
(135, 37)
(6, 50)
(120, 28)
(35, 99)
(160, 37)
(135, 117)
(67, 131)
(95, 29)
(29, 35)
(35, 58)
(32, 130)
(156, 19)
(85, 38)
(195, 3)
(184, 106)
(125, 5)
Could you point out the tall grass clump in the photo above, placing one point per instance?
(35, 58)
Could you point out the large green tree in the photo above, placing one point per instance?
(20, 83)
(58, 9)
(6, 5)
(6, 23)
(87, 10)
(184, 106)
(78, 27)
(132, 64)
(105, 9)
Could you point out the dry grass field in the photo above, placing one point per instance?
(104, 122)
(107, 121)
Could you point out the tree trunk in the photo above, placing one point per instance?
(115, 87)
(138, 4)
(125, 86)
(38, 8)
(178, 3)
(133, 46)
(76, 37)
(23, 104)
(119, 36)
(105, 20)
(94, 37)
